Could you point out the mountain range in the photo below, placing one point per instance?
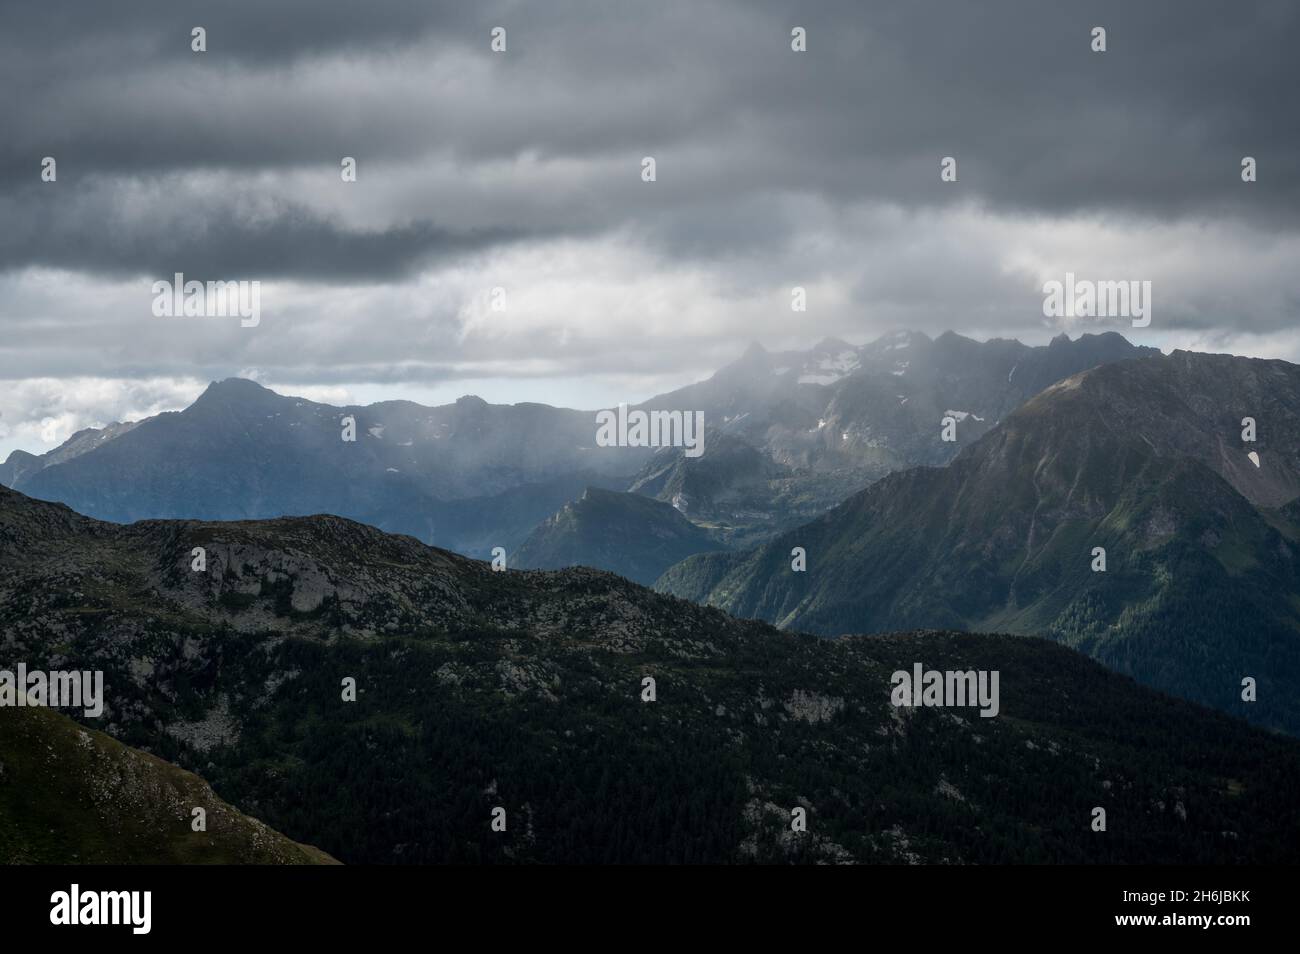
(1057, 450)
(1144, 459)
(475, 474)
(596, 720)
(829, 421)
(788, 435)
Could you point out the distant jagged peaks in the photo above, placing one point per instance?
(832, 346)
(1110, 338)
(21, 464)
(1144, 458)
(906, 334)
(825, 421)
(754, 356)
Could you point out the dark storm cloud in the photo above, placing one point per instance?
(1039, 124)
(211, 236)
(774, 168)
(250, 31)
(522, 170)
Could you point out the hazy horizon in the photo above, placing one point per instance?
(536, 391)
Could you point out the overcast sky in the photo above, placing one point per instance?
(523, 170)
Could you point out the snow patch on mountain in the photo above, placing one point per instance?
(830, 368)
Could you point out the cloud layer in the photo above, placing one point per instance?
(522, 171)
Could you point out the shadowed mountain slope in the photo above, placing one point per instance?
(1144, 459)
(527, 691)
(625, 533)
(72, 795)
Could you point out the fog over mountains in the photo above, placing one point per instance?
(1144, 459)
(787, 436)
(925, 483)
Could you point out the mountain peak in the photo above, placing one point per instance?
(18, 454)
(756, 358)
(232, 387)
(905, 334)
(896, 340)
(949, 336)
(832, 346)
(230, 392)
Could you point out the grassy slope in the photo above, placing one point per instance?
(70, 795)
